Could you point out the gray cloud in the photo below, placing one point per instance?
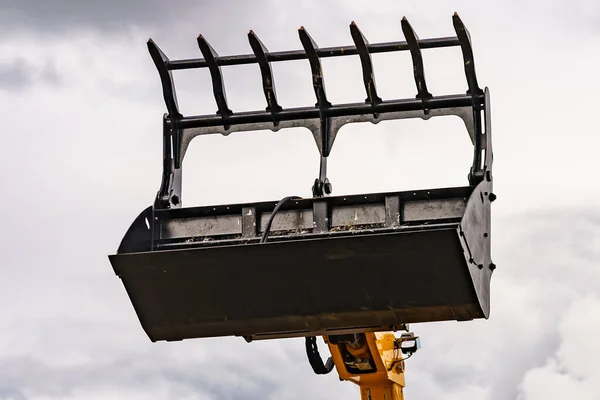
(106, 15)
(30, 377)
(105, 361)
(115, 17)
(572, 367)
(20, 74)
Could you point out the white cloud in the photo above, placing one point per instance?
(572, 370)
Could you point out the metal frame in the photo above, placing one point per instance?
(324, 119)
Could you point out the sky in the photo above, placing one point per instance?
(81, 105)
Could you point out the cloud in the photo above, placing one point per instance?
(82, 158)
(577, 16)
(105, 360)
(66, 15)
(118, 21)
(572, 369)
(145, 374)
(19, 74)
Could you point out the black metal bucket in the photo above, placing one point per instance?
(332, 265)
(384, 260)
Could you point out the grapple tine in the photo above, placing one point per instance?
(210, 55)
(464, 38)
(417, 59)
(260, 51)
(321, 185)
(166, 79)
(367, 65)
(310, 47)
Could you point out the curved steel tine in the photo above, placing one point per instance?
(171, 135)
(367, 65)
(464, 38)
(210, 56)
(310, 47)
(417, 59)
(260, 51)
(166, 79)
(323, 137)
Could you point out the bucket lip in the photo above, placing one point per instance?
(142, 234)
(286, 239)
(349, 199)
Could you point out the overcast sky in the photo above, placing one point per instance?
(81, 106)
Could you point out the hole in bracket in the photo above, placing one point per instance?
(482, 159)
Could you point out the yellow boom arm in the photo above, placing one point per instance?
(372, 361)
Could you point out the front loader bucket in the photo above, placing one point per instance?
(323, 265)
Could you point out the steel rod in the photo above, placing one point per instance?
(458, 100)
(338, 51)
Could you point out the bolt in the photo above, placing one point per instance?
(492, 266)
(492, 197)
(327, 188)
(480, 266)
(485, 235)
(175, 199)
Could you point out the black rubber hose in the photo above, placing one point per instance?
(314, 358)
(275, 210)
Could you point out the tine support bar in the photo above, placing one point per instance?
(260, 52)
(324, 52)
(337, 110)
(417, 59)
(361, 44)
(210, 55)
(308, 117)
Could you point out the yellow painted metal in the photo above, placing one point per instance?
(387, 383)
